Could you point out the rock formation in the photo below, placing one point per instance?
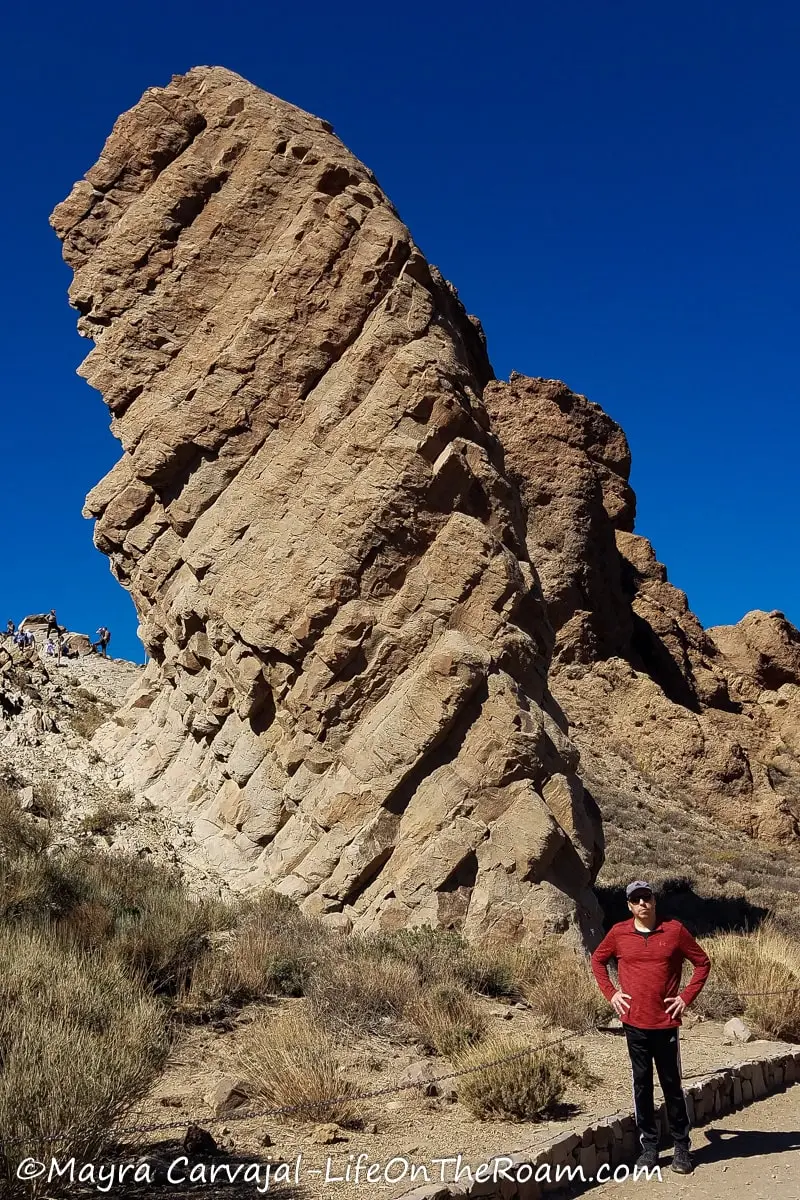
(709, 717)
(347, 693)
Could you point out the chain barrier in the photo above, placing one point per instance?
(392, 1089)
(348, 1097)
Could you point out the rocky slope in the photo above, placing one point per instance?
(347, 696)
(49, 712)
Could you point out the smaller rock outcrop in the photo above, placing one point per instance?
(712, 717)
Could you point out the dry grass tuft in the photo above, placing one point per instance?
(86, 720)
(558, 985)
(525, 1088)
(105, 817)
(274, 951)
(356, 993)
(764, 960)
(81, 1044)
(446, 1019)
(289, 1060)
(435, 954)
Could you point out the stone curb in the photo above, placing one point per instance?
(612, 1140)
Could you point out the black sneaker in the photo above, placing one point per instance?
(682, 1161)
(648, 1159)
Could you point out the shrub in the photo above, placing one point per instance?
(46, 801)
(274, 951)
(435, 954)
(559, 986)
(86, 720)
(446, 1019)
(35, 888)
(521, 1088)
(106, 816)
(31, 884)
(290, 1061)
(165, 939)
(764, 960)
(156, 929)
(353, 992)
(81, 1044)
(20, 835)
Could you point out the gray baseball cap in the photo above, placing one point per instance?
(638, 885)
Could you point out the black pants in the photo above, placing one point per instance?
(659, 1046)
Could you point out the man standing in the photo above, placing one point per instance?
(104, 637)
(650, 954)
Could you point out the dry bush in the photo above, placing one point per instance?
(290, 1061)
(558, 985)
(520, 1088)
(86, 720)
(357, 993)
(152, 924)
(764, 960)
(46, 801)
(81, 1043)
(32, 887)
(20, 834)
(105, 817)
(446, 1019)
(165, 940)
(274, 951)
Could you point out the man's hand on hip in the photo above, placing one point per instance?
(675, 1006)
(620, 1005)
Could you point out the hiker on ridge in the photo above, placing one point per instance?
(650, 954)
(104, 637)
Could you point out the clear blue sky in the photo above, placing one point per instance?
(613, 188)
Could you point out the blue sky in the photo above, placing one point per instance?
(611, 186)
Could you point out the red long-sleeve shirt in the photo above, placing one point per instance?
(649, 970)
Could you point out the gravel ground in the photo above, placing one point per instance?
(405, 1126)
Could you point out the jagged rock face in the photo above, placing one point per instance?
(349, 649)
(571, 462)
(711, 717)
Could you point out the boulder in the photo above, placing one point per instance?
(228, 1094)
(736, 1031)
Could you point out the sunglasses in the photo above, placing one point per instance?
(641, 897)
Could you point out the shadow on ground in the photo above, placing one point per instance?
(724, 1144)
(223, 1175)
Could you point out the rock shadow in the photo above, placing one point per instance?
(702, 915)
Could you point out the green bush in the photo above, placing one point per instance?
(521, 1088)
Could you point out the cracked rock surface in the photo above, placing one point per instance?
(347, 695)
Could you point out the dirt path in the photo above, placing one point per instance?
(753, 1153)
